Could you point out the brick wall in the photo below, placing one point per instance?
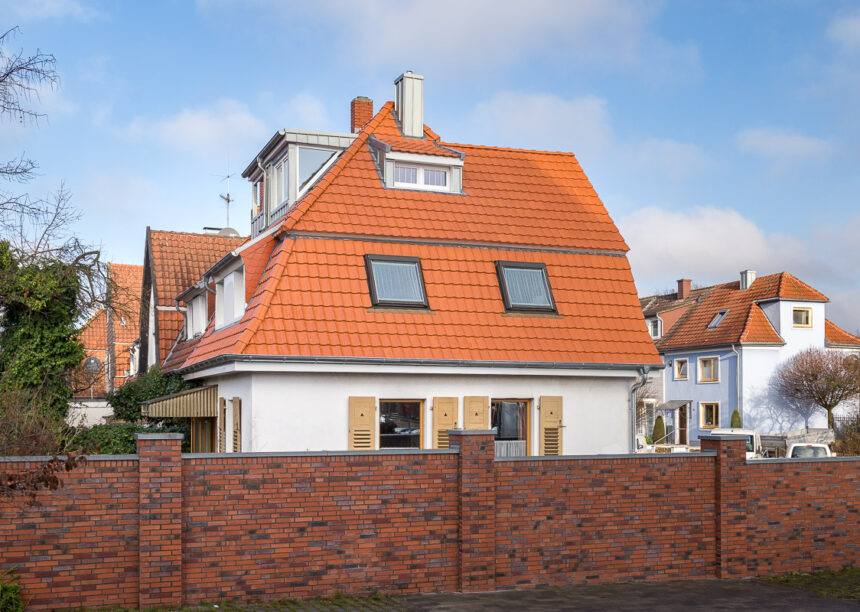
(161, 528)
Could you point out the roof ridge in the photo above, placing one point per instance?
(208, 234)
(313, 195)
(276, 275)
(512, 149)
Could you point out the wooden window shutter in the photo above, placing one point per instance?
(476, 412)
(237, 425)
(444, 418)
(550, 425)
(222, 425)
(362, 423)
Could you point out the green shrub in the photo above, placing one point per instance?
(118, 438)
(736, 419)
(659, 431)
(11, 599)
(154, 383)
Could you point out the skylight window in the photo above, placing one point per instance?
(717, 319)
(525, 286)
(395, 281)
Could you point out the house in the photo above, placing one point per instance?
(722, 344)
(171, 262)
(397, 286)
(107, 338)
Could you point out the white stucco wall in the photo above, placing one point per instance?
(299, 411)
(86, 413)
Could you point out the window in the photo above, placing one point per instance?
(275, 190)
(230, 298)
(509, 419)
(525, 286)
(709, 369)
(680, 369)
(437, 178)
(311, 161)
(717, 318)
(801, 317)
(400, 423)
(654, 328)
(196, 316)
(395, 281)
(710, 414)
(405, 174)
(420, 177)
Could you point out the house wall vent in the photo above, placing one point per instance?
(747, 279)
(409, 103)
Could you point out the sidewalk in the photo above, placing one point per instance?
(638, 597)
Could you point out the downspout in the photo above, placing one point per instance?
(265, 194)
(643, 378)
(738, 383)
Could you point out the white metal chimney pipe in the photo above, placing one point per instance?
(747, 279)
(409, 103)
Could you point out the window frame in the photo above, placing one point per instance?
(716, 361)
(718, 318)
(369, 258)
(529, 402)
(313, 178)
(807, 309)
(419, 177)
(651, 327)
(503, 286)
(239, 301)
(421, 406)
(716, 406)
(677, 376)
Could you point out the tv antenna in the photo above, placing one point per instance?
(227, 199)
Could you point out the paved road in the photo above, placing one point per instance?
(638, 597)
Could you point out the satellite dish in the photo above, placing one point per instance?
(92, 365)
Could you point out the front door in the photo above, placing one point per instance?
(682, 425)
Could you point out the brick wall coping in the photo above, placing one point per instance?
(622, 456)
(41, 458)
(722, 437)
(801, 460)
(158, 436)
(381, 452)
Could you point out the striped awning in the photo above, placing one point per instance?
(202, 402)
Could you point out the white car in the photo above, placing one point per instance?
(805, 450)
(753, 439)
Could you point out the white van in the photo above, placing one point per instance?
(753, 439)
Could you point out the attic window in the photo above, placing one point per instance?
(420, 177)
(395, 281)
(801, 317)
(311, 161)
(717, 319)
(525, 286)
(230, 298)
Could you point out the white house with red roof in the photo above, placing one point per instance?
(722, 344)
(397, 286)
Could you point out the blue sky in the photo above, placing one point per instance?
(720, 135)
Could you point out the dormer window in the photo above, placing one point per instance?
(395, 281)
(311, 161)
(717, 319)
(230, 298)
(421, 177)
(525, 286)
(196, 316)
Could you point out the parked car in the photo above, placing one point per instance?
(808, 451)
(752, 436)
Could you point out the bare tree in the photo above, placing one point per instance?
(817, 378)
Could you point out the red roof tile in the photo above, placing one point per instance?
(745, 322)
(836, 336)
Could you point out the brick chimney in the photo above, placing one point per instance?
(684, 287)
(360, 113)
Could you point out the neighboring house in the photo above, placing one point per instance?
(108, 337)
(722, 350)
(171, 262)
(397, 286)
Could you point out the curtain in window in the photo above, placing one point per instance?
(526, 287)
(397, 282)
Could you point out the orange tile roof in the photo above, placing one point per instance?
(389, 132)
(511, 196)
(179, 259)
(836, 336)
(745, 321)
(313, 300)
(125, 302)
(93, 336)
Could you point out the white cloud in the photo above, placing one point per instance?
(117, 195)
(782, 145)
(845, 31)
(305, 111)
(671, 158)
(225, 127)
(38, 10)
(543, 121)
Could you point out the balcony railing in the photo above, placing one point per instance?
(258, 224)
